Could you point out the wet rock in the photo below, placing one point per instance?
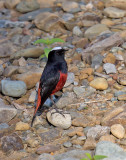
(77, 31)
(27, 6)
(99, 83)
(109, 68)
(97, 61)
(51, 135)
(118, 130)
(47, 149)
(71, 7)
(113, 12)
(98, 131)
(7, 112)
(13, 88)
(94, 31)
(48, 22)
(72, 155)
(10, 4)
(89, 144)
(111, 150)
(1, 70)
(59, 120)
(79, 91)
(28, 53)
(31, 15)
(70, 79)
(21, 126)
(33, 74)
(11, 142)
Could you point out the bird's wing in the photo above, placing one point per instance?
(47, 84)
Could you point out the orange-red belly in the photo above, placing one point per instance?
(60, 84)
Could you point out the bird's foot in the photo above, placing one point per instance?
(59, 111)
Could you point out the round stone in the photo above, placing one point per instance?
(118, 130)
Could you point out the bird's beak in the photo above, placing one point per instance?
(65, 49)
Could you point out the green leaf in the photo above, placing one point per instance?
(44, 41)
(99, 157)
(88, 155)
(53, 40)
(84, 159)
(42, 56)
(47, 50)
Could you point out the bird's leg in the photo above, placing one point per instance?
(56, 110)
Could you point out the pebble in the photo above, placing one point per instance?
(7, 112)
(59, 120)
(110, 58)
(118, 93)
(21, 126)
(70, 79)
(99, 83)
(118, 130)
(3, 126)
(77, 31)
(67, 144)
(109, 68)
(95, 30)
(1, 70)
(32, 97)
(122, 97)
(79, 91)
(13, 88)
(108, 137)
(33, 142)
(111, 150)
(67, 16)
(27, 6)
(71, 7)
(113, 12)
(122, 80)
(97, 61)
(89, 144)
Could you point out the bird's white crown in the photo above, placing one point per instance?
(56, 48)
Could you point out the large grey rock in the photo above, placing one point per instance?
(7, 112)
(13, 88)
(111, 150)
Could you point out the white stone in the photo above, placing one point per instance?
(59, 120)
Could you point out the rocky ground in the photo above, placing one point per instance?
(95, 92)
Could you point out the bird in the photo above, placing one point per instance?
(52, 79)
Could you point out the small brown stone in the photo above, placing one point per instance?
(117, 86)
(90, 143)
(110, 58)
(90, 78)
(122, 97)
(73, 132)
(77, 142)
(100, 69)
(108, 137)
(118, 130)
(100, 5)
(88, 71)
(83, 76)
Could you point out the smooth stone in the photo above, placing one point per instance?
(99, 83)
(109, 68)
(113, 12)
(13, 88)
(11, 142)
(27, 6)
(21, 126)
(70, 79)
(95, 30)
(7, 112)
(28, 53)
(118, 131)
(111, 150)
(31, 15)
(59, 120)
(77, 31)
(71, 7)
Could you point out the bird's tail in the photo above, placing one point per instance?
(38, 104)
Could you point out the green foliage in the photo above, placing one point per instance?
(96, 157)
(48, 42)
